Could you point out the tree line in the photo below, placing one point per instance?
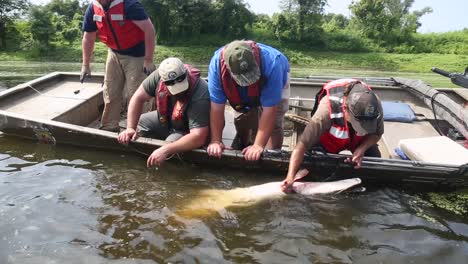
(374, 25)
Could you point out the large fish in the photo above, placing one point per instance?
(217, 200)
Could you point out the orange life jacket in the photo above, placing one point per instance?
(230, 86)
(163, 97)
(338, 137)
(117, 32)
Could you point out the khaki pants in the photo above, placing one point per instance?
(247, 124)
(123, 76)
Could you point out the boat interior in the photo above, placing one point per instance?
(61, 97)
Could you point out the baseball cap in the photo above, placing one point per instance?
(364, 109)
(174, 75)
(241, 63)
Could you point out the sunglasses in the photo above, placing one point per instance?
(176, 80)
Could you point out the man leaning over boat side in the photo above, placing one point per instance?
(129, 35)
(254, 78)
(183, 109)
(348, 115)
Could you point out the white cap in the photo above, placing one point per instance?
(173, 69)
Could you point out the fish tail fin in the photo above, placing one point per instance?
(358, 181)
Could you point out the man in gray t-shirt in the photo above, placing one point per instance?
(182, 110)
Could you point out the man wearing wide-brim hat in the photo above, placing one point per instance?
(182, 110)
(347, 115)
(254, 78)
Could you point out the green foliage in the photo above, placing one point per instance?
(376, 26)
(72, 31)
(188, 19)
(300, 21)
(9, 9)
(285, 27)
(387, 22)
(334, 22)
(42, 26)
(456, 202)
(66, 9)
(19, 35)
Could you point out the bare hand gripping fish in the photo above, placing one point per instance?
(216, 200)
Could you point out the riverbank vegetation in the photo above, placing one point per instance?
(379, 35)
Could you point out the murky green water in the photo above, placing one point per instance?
(68, 205)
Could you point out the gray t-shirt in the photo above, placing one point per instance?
(198, 107)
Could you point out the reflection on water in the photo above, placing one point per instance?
(68, 205)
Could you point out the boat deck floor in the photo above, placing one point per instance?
(53, 101)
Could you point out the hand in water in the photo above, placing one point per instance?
(157, 157)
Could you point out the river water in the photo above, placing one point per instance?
(60, 204)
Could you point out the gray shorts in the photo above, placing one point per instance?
(150, 126)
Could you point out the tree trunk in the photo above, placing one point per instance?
(301, 22)
(2, 35)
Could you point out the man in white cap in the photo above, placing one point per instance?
(182, 110)
(347, 115)
(254, 78)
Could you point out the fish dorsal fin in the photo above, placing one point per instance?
(301, 174)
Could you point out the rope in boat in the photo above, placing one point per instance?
(51, 96)
(434, 112)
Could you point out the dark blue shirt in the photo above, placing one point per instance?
(133, 11)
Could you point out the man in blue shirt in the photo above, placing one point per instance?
(254, 78)
(129, 34)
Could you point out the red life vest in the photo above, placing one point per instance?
(117, 32)
(230, 86)
(338, 137)
(163, 97)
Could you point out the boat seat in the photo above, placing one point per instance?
(462, 92)
(439, 149)
(396, 131)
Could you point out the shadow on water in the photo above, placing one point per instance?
(68, 205)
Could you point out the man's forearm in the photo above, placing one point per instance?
(135, 108)
(87, 46)
(266, 125)
(192, 140)
(370, 141)
(295, 162)
(216, 122)
(150, 40)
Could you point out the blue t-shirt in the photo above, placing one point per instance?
(275, 68)
(133, 11)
